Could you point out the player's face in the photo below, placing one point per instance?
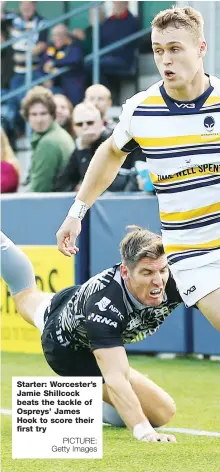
(147, 281)
(177, 54)
(39, 118)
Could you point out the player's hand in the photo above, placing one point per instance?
(153, 436)
(67, 234)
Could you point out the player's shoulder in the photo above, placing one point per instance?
(106, 291)
(215, 82)
(140, 97)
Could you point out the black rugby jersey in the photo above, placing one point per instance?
(100, 313)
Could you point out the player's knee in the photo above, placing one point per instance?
(166, 413)
(170, 411)
(21, 298)
(26, 303)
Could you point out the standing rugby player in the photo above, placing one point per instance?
(176, 122)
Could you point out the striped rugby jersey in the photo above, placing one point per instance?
(182, 146)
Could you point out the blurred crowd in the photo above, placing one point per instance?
(68, 116)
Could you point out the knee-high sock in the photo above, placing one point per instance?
(111, 416)
(16, 269)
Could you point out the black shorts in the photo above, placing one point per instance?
(65, 361)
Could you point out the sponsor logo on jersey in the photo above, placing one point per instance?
(209, 123)
(116, 311)
(185, 105)
(190, 290)
(103, 303)
(102, 319)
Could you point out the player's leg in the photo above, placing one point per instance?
(111, 416)
(201, 286)
(157, 404)
(210, 307)
(18, 273)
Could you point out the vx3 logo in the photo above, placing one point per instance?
(185, 105)
(190, 290)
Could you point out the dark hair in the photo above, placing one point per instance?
(139, 243)
(38, 94)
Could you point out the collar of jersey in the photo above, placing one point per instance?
(134, 300)
(199, 101)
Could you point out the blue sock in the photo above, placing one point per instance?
(16, 269)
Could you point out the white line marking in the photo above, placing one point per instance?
(5, 412)
(194, 432)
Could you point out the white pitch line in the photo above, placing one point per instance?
(5, 411)
(193, 432)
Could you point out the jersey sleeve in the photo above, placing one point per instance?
(172, 292)
(103, 326)
(121, 133)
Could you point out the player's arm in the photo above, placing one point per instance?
(101, 172)
(113, 363)
(104, 327)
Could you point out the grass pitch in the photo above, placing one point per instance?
(195, 386)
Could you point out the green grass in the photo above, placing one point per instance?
(195, 386)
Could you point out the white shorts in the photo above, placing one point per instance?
(194, 284)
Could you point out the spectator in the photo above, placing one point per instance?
(100, 96)
(90, 133)
(6, 16)
(119, 25)
(65, 51)
(9, 166)
(27, 20)
(86, 35)
(6, 62)
(52, 145)
(64, 112)
(7, 112)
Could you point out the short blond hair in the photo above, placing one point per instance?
(187, 17)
